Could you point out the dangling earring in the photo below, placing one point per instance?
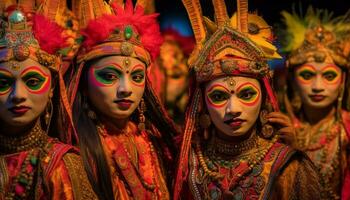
(91, 114)
(205, 122)
(142, 119)
(267, 130)
(296, 102)
(48, 115)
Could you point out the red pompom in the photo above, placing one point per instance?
(146, 25)
(48, 34)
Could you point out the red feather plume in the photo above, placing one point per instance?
(48, 34)
(147, 26)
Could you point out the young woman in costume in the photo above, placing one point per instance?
(229, 148)
(316, 97)
(117, 116)
(33, 105)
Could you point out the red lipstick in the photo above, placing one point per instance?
(124, 104)
(235, 123)
(317, 97)
(19, 110)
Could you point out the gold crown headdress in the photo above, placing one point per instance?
(244, 37)
(240, 45)
(22, 35)
(316, 37)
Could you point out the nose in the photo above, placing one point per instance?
(233, 108)
(317, 85)
(124, 89)
(18, 94)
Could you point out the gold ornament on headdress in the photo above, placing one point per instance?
(17, 41)
(246, 36)
(315, 37)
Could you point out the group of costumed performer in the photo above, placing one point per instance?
(229, 148)
(317, 93)
(34, 106)
(124, 134)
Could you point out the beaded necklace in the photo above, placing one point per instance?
(240, 167)
(35, 138)
(34, 143)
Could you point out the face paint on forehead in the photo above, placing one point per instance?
(230, 81)
(14, 65)
(126, 63)
(36, 80)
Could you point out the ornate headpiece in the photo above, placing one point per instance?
(240, 45)
(316, 38)
(114, 30)
(33, 29)
(22, 34)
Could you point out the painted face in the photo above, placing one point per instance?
(318, 83)
(116, 85)
(233, 103)
(25, 88)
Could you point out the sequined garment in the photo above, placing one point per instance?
(326, 143)
(133, 160)
(44, 170)
(279, 172)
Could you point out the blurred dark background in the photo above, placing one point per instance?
(173, 12)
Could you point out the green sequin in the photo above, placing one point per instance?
(128, 32)
(33, 160)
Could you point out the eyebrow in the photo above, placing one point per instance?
(215, 86)
(136, 67)
(36, 69)
(304, 67)
(331, 67)
(106, 65)
(239, 88)
(5, 72)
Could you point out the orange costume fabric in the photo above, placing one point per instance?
(58, 173)
(134, 164)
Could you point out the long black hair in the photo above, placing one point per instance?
(91, 148)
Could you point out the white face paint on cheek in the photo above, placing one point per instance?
(115, 89)
(233, 109)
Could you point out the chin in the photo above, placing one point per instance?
(319, 104)
(19, 121)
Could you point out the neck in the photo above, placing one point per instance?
(119, 125)
(315, 115)
(16, 131)
(32, 138)
(228, 148)
(235, 139)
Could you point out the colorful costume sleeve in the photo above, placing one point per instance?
(69, 180)
(299, 180)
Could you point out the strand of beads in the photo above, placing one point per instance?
(22, 183)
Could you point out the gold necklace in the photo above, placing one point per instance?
(35, 138)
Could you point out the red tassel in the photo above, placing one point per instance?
(271, 94)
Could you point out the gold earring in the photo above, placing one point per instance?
(205, 122)
(91, 114)
(267, 130)
(142, 119)
(48, 115)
